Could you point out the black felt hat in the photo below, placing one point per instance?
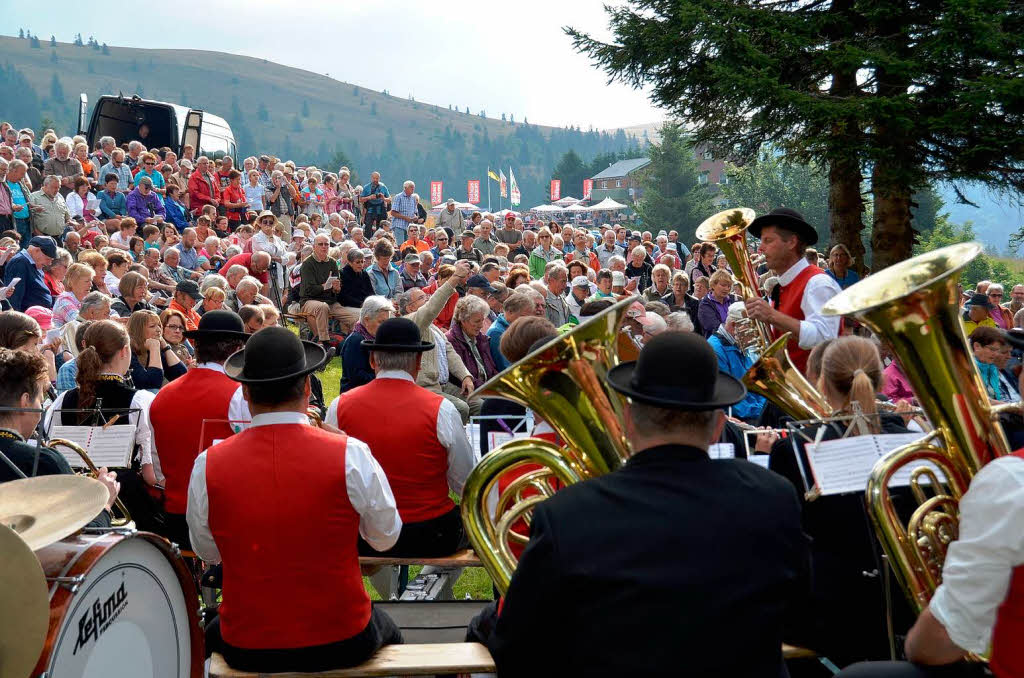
(219, 324)
(679, 371)
(786, 218)
(274, 354)
(397, 335)
(980, 299)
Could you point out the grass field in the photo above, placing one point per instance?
(474, 581)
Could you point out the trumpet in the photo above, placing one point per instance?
(773, 375)
(121, 515)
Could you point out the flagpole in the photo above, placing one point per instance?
(488, 188)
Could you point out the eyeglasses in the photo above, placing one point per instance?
(176, 328)
(150, 163)
(996, 295)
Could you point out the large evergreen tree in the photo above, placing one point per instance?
(672, 194)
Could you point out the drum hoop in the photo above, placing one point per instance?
(87, 557)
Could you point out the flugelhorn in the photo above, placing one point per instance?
(772, 375)
(120, 516)
(564, 382)
(913, 307)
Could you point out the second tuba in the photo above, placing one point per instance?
(773, 375)
(913, 307)
(564, 382)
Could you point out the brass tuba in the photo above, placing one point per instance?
(121, 515)
(773, 375)
(564, 382)
(913, 306)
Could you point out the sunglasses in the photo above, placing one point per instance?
(150, 163)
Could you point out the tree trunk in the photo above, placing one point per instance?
(892, 237)
(845, 207)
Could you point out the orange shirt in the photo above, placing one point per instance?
(191, 317)
(420, 245)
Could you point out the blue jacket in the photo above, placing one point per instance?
(355, 363)
(494, 333)
(390, 286)
(732, 361)
(113, 205)
(32, 290)
(175, 214)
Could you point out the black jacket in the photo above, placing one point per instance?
(654, 569)
(355, 287)
(691, 303)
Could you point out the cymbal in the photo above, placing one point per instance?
(24, 603)
(46, 509)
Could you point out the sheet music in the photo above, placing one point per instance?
(495, 438)
(759, 459)
(473, 433)
(111, 447)
(722, 451)
(843, 465)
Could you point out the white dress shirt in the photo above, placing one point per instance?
(814, 328)
(365, 484)
(450, 433)
(979, 565)
(140, 420)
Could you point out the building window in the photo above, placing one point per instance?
(708, 155)
(618, 183)
(703, 178)
(724, 179)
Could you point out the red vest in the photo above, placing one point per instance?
(287, 534)
(1007, 648)
(177, 415)
(789, 303)
(398, 420)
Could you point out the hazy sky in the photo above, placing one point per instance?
(509, 57)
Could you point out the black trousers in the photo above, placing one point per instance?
(908, 670)
(176, 529)
(434, 538)
(146, 511)
(381, 630)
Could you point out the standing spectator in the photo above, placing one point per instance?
(117, 166)
(403, 212)
(555, 281)
(659, 283)
(373, 201)
(203, 187)
(608, 248)
(28, 265)
(6, 205)
(485, 243)
(224, 173)
(313, 197)
(466, 251)
(639, 267)
(509, 234)
(451, 218)
(679, 299)
(234, 200)
(582, 253)
(254, 192)
(703, 262)
(144, 205)
(347, 194)
(279, 201)
(50, 214)
(20, 192)
(1000, 315)
(65, 167)
(54, 273)
(543, 254)
(34, 168)
(714, 307)
(839, 261)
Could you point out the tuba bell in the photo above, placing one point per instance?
(913, 307)
(772, 375)
(565, 383)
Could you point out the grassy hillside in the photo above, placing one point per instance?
(297, 114)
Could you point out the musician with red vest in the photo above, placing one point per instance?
(803, 288)
(193, 411)
(282, 506)
(418, 438)
(980, 603)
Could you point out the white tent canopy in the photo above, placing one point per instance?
(607, 205)
(578, 207)
(459, 206)
(566, 201)
(547, 208)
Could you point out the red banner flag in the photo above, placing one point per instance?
(436, 192)
(556, 189)
(473, 189)
(588, 188)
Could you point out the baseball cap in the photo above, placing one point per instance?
(448, 259)
(638, 313)
(41, 315)
(469, 234)
(480, 282)
(46, 244)
(580, 281)
(634, 236)
(411, 259)
(451, 201)
(190, 288)
(618, 279)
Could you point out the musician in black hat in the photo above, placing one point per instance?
(657, 566)
(803, 288)
(282, 505)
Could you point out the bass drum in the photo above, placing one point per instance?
(122, 603)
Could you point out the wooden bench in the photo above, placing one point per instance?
(459, 559)
(390, 660)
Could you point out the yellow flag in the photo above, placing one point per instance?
(492, 175)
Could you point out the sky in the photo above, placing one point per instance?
(502, 57)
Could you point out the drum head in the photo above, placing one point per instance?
(23, 606)
(127, 618)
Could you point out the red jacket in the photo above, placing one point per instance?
(199, 191)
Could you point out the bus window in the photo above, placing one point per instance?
(213, 147)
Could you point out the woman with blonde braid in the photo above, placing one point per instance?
(103, 396)
(845, 615)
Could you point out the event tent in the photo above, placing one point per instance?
(607, 205)
(566, 201)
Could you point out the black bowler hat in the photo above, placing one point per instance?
(786, 218)
(980, 299)
(657, 377)
(397, 335)
(274, 354)
(219, 324)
